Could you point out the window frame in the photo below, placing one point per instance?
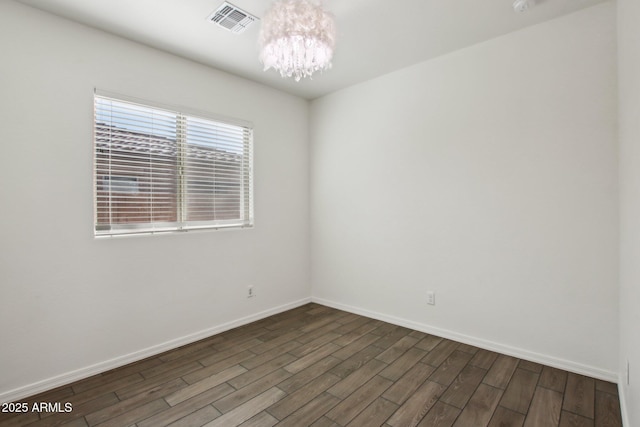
(181, 224)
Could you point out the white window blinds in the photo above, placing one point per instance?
(161, 170)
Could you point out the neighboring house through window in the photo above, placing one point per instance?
(158, 169)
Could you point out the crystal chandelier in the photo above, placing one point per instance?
(523, 5)
(297, 38)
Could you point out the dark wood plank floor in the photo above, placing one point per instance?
(316, 366)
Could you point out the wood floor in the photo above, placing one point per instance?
(316, 366)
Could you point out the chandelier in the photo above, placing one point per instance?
(523, 5)
(297, 38)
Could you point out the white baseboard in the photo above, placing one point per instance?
(622, 396)
(69, 377)
(555, 362)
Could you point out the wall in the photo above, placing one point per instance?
(72, 305)
(488, 176)
(629, 95)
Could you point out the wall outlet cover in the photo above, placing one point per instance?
(431, 298)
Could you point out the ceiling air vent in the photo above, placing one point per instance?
(232, 18)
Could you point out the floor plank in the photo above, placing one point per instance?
(137, 414)
(607, 411)
(451, 367)
(249, 409)
(402, 364)
(417, 406)
(479, 410)
(569, 419)
(580, 395)
(346, 386)
(188, 407)
(440, 353)
(302, 396)
(375, 414)
(400, 391)
(357, 401)
(238, 397)
(484, 359)
(545, 408)
(263, 419)
(310, 412)
(520, 391)
(460, 391)
(204, 385)
(500, 373)
(504, 417)
(441, 415)
(553, 379)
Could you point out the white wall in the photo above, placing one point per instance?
(489, 176)
(69, 303)
(629, 89)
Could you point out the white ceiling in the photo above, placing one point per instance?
(375, 37)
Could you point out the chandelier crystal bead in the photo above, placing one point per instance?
(297, 38)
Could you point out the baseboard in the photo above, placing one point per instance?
(555, 362)
(61, 380)
(622, 396)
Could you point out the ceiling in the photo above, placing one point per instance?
(375, 37)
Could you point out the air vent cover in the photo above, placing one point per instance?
(232, 18)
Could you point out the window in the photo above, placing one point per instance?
(161, 170)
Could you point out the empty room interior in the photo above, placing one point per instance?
(440, 227)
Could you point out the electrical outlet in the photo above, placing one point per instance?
(628, 378)
(250, 292)
(431, 298)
